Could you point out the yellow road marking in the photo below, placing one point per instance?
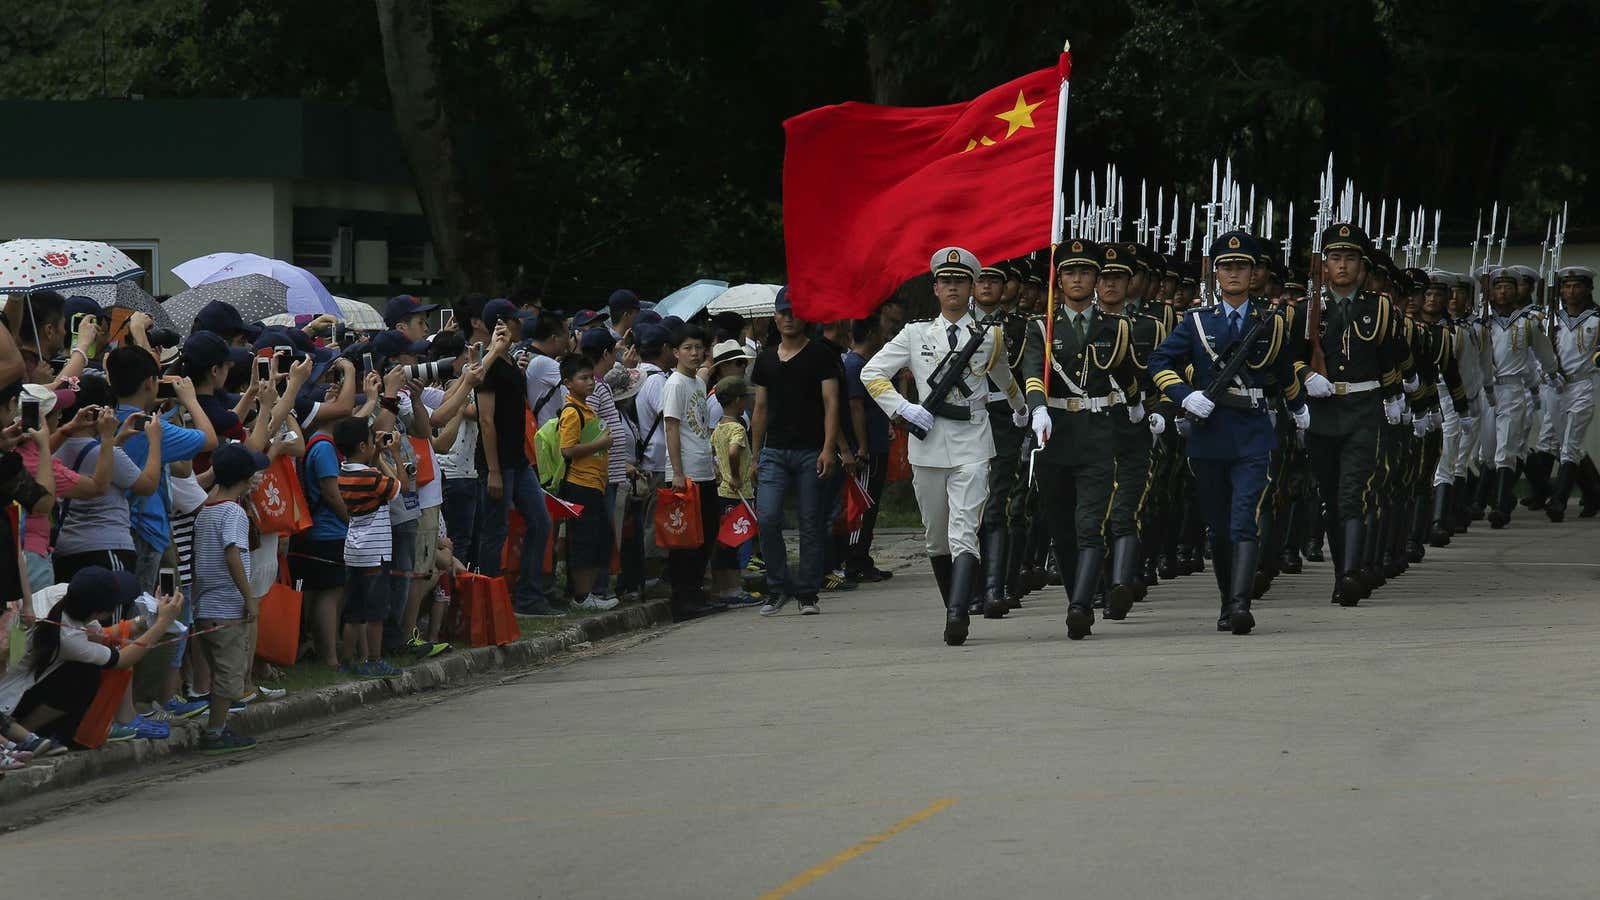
(834, 862)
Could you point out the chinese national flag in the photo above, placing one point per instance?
(738, 526)
(871, 192)
(560, 509)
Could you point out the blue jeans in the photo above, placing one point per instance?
(404, 538)
(777, 472)
(462, 499)
(522, 491)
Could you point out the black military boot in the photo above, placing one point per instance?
(1560, 491)
(1348, 587)
(1421, 524)
(1289, 560)
(1442, 497)
(1080, 615)
(1482, 495)
(1314, 529)
(1124, 577)
(1371, 552)
(1149, 548)
(1222, 573)
(1267, 553)
(994, 573)
(1246, 557)
(1537, 469)
(941, 575)
(1504, 497)
(1460, 520)
(963, 575)
(1589, 488)
(1016, 556)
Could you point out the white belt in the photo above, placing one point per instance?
(1079, 404)
(1341, 388)
(1253, 393)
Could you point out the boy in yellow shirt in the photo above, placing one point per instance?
(730, 446)
(585, 443)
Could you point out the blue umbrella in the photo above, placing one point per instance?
(687, 301)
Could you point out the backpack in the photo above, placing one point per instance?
(64, 508)
(312, 490)
(552, 465)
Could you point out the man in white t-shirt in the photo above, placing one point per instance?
(688, 439)
(545, 393)
(651, 445)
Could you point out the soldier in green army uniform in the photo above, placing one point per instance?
(1037, 569)
(1438, 370)
(1122, 273)
(1388, 488)
(1073, 402)
(1300, 509)
(1351, 401)
(994, 532)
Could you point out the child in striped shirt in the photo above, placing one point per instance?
(368, 544)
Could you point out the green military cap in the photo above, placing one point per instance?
(1118, 258)
(1077, 252)
(1344, 236)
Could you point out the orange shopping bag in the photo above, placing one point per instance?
(278, 626)
(279, 502)
(502, 617)
(95, 726)
(423, 448)
(471, 599)
(678, 518)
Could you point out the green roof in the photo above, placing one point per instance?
(199, 139)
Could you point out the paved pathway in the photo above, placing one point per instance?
(1437, 741)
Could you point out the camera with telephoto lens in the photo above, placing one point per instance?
(429, 372)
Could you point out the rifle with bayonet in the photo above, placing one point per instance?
(949, 375)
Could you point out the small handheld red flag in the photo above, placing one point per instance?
(738, 526)
(561, 509)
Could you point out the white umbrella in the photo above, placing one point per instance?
(356, 314)
(307, 294)
(29, 265)
(687, 301)
(748, 300)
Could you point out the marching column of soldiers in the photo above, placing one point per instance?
(1142, 434)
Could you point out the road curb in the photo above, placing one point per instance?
(81, 767)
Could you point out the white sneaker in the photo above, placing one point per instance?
(597, 603)
(772, 606)
(271, 693)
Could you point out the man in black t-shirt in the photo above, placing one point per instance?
(505, 471)
(794, 451)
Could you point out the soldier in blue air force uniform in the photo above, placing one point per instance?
(1232, 437)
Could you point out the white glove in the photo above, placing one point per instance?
(1419, 426)
(1041, 426)
(1392, 410)
(1198, 404)
(1019, 417)
(915, 414)
(1158, 423)
(1318, 386)
(1136, 412)
(1302, 417)
(1411, 384)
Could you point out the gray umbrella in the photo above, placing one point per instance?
(254, 296)
(124, 295)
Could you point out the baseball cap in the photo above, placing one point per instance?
(621, 301)
(205, 349)
(404, 305)
(497, 311)
(587, 317)
(234, 462)
(782, 303)
(76, 306)
(221, 318)
(647, 317)
(50, 400)
(389, 344)
(111, 590)
(650, 335)
(596, 339)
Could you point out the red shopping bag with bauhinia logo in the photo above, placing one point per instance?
(280, 504)
(738, 525)
(678, 518)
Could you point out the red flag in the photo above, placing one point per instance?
(738, 526)
(561, 509)
(871, 192)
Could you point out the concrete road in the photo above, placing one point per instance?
(1437, 741)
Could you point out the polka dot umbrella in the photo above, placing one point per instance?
(30, 265)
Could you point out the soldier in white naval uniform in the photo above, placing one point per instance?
(1569, 404)
(950, 466)
(1520, 356)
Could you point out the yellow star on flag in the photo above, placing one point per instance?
(1019, 116)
